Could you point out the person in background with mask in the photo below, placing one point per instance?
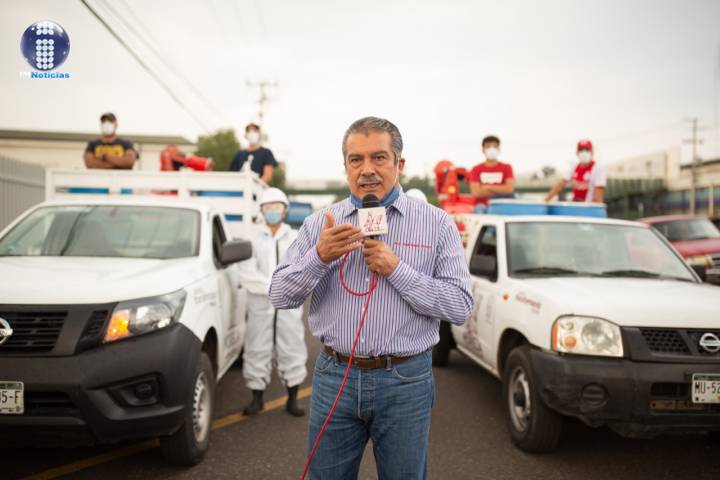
(260, 159)
(270, 331)
(110, 151)
(588, 177)
(491, 178)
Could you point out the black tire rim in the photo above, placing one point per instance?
(202, 408)
(519, 401)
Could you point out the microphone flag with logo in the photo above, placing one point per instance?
(372, 217)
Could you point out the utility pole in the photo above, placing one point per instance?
(695, 141)
(263, 99)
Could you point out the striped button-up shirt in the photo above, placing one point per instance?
(431, 282)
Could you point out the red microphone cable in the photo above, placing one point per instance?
(373, 284)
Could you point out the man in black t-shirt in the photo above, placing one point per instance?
(262, 160)
(110, 151)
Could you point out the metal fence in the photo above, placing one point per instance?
(22, 185)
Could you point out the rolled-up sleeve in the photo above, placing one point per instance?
(301, 270)
(446, 294)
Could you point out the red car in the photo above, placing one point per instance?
(695, 238)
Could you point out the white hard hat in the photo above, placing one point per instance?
(274, 195)
(417, 194)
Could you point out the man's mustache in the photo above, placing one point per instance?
(369, 179)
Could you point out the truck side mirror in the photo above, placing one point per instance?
(234, 251)
(483, 266)
(701, 271)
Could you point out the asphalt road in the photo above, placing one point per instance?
(468, 440)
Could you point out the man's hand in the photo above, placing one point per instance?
(379, 257)
(336, 241)
(479, 191)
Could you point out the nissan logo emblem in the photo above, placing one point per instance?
(709, 341)
(6, 332)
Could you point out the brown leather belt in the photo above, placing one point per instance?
(365, 362)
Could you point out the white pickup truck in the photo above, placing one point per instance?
(591, 318)
(118, 313)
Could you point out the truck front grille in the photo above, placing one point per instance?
(661, 340)
(678, 341)
(715, 259)
(53, 330)
(33, 331)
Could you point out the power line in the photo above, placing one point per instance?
(145, 67)
(161, 57)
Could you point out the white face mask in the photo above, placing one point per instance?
(253, 137)
(584, 156)
(492, 153)
(107, 128)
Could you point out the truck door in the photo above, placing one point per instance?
(479, 329)
(231, 302)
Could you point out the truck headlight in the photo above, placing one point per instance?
(587, 336)
(702, 260)
(135, 317)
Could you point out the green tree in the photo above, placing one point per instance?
(422, 183)
(278, 179)
(221, 146)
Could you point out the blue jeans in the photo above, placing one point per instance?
(390, 406)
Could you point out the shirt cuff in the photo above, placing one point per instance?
(313, 264)
(403, 277)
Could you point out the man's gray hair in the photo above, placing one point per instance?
(375, 124)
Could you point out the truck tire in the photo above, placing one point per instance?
(188, 445)
(533, 426)
(441, 351)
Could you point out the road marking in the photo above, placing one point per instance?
(223, 422)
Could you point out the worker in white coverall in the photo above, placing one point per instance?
(269, 331)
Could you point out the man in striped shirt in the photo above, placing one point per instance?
(422, 279)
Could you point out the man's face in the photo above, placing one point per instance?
(491, 150)
(370, 164)
(274, 213)
(584, 155)
(252, 135)
(108, 127)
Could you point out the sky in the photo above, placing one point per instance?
(626, 74)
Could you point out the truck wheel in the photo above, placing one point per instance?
(441, 351)
(188, 445)
(533, 426)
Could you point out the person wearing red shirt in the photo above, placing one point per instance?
(588, 178)
(491, 178)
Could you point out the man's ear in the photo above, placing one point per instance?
(401, 165)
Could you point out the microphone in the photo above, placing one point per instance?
(372, 217)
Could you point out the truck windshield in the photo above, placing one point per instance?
(561, 249)
(688, 229)
(105, 231)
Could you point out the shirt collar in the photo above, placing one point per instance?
(401, 205)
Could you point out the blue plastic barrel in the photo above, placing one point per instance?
(578, 209)
(516, 207)
(88, 190)
(216, 193)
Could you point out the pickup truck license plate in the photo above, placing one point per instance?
(705, 388)
(12, 400)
